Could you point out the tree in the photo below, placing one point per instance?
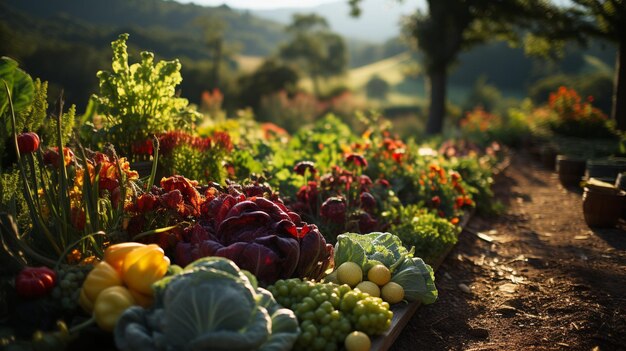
(451, 26)
(607, 19)
(270, 77)
(318, 51)
(377, 87)
(214, 29)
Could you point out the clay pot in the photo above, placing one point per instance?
(620, 183)
(602, 209)
(571, 170)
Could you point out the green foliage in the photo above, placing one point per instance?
(30, 110)
(211, 304)
(377, 88)
(271, 77)
(289, 112)
(68, 121)
(22, 92)
(139, 100)
(203, 165)
(20, 85)
(318, 51)
(477, 175)
(368, 250)
(483, 94)
(429, 234)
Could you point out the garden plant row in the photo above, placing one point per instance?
(239, 236)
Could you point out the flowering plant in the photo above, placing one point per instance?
(576, 117)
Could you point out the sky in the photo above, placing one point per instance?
(259, 4)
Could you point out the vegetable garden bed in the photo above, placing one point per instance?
(317, 237)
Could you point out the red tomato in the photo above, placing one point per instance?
(34, 282)
(28, 142)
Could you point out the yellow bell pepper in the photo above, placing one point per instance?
(116, 254)
(144, 266)
(110, 305)
(101, 277)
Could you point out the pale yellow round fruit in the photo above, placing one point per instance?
(357, 341)
(331, 278)
(349, 273)
(379, 274)
(369, 287)
(392, 292)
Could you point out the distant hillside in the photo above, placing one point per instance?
(378, 22)
(158, 19)
(66, 42)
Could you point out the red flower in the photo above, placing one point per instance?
(334, 210)
(52, 157)
(28, 142)
(383, 182)
(357, 160)
(144, 148)
(173, 199)
(301, 167)
(146, 202)
(367, 224)
(368, 202)
(78, 218)
(436, 200)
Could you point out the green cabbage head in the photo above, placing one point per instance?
(210, 305)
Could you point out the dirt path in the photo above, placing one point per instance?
(544, 282)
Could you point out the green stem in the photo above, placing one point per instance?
(64, 203)
(78, 327)
(158, 231)
(11, 228)
(37, 222)
(69, 247)
(155, 162)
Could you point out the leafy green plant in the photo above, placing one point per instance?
(368, 250)
(429, 234)
(139, 100)
(211, 304)
(69, 199)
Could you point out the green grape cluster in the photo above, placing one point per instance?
(69, 282)
(327, 312)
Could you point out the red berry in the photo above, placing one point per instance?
(28, 142)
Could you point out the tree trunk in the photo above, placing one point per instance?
(618, 112)
(437, 110)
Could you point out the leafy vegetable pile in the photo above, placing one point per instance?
(416, 277)
(210, 305)
(260, 235)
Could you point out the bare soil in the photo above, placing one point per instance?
(534, 278)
